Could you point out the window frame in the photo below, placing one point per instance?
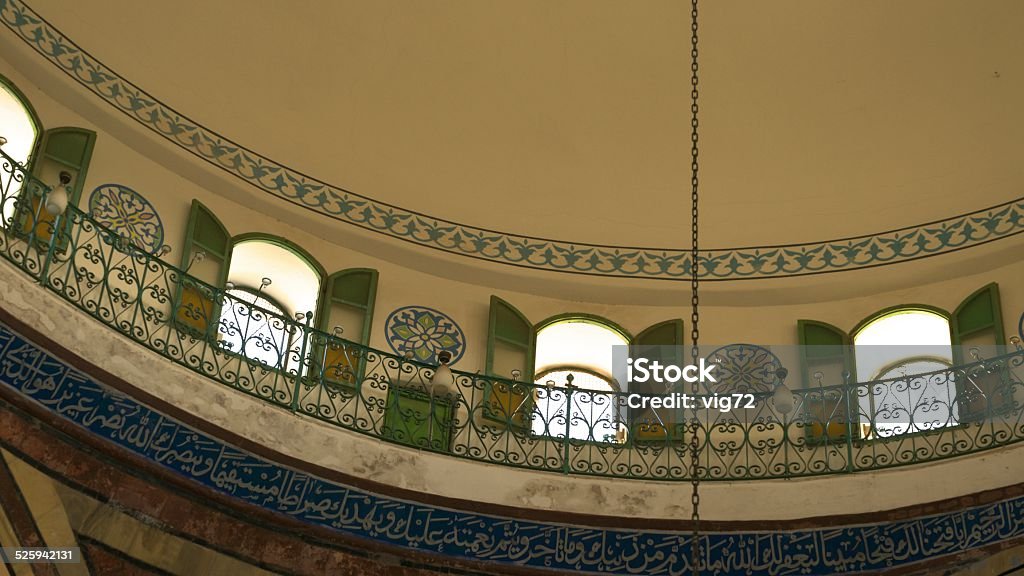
(326, 302)
(74, 191)
(299, 252)
(867, 432)
(302, 254)
(586, 318)
(18, 213)
(186, 281)
(37, 124)
(895, 310)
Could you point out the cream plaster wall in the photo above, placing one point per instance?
(819, 119)
(757, 311)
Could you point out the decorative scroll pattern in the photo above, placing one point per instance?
(745, 368)
(890, 247)
(128, 214)
(833, 429)
(424, 332)
(74, 396)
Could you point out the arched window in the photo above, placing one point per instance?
(19, 129)
(891, 353)
(893, 350)
(295, 276)
(574, 364)
(269, 282)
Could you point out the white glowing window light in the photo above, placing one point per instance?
(17, 127)
(582, 348)
(893, 349)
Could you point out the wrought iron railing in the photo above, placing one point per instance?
(554, 427)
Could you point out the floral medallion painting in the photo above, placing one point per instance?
(423, 332)
(745, 369)
(128, 214)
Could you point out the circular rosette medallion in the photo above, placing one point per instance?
(744, 369)
(424, 332)
(128, 214)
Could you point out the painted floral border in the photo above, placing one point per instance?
(884, 248)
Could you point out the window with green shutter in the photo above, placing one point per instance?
(346, 313)
(195, 309)
(663, 342)
(62, 152)
(978, 320)
(827, 359)
(511, 343)
(978, 323)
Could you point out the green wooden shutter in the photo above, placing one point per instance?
(348, 302)
(978, 322)
(649, 425)
(510, 341)
(349, 296)
(667, 333)
(195, 307)
(60, 150)
(832, 415)
(511, 344)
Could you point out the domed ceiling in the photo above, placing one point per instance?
(570, 119)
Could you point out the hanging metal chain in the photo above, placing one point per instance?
(694, 295)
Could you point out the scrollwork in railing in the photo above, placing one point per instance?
(833, 428)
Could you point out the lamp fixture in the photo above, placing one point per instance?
(57, 199)
(442, 382)
(783, 397)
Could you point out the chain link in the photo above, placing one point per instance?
(695, 555)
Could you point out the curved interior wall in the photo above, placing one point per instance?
(933, 161)
(762, 311)
(759, 311)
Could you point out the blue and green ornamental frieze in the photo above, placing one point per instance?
(195, 455)
(890, 247)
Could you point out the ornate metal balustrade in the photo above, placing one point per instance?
(556, 427)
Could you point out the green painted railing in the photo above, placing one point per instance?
(555, 427)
